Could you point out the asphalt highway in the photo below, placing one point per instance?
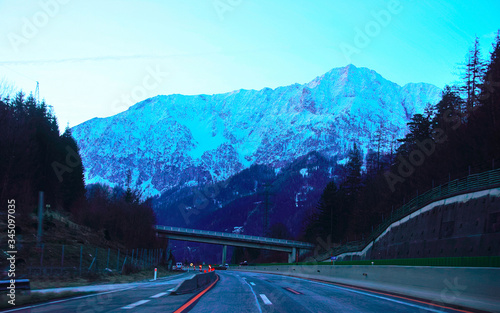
(255, 293)
(142, 297)
(238, 291)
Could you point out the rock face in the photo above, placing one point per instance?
(180, 141)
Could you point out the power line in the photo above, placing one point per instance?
(19, 73)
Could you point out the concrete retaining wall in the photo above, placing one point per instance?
(463, 225)
(477, 288)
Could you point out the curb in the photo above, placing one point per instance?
(196, 283)
(193, 300)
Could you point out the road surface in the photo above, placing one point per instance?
(242, 292)
(255, 292)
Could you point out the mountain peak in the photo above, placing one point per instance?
(177, 140)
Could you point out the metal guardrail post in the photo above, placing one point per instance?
(118, 261)
(41, 255)
(96, 260)
(107, 263)
(81, 255)
(62, 256)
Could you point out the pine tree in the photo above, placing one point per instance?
(429, 111)
(330, 219)
(448, 110)
(490, 93)
(129, 195)
(7, 89)
(353, 171)
(372, 163)
(473, 76)
(381, 144)
(73, 185)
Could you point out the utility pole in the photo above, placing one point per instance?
(40, 218)
(37, 92)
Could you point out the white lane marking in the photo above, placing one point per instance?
(158, 295)
(251, 283)
(68, 299)
(265, 299)
(254, 295)
(133, 305)
(92, 295)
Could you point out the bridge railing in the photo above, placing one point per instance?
(297, 244)
(470, 182)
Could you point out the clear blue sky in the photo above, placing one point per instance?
(94, 58)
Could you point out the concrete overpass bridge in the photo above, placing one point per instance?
(229, 239)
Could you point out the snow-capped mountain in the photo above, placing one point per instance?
(176, 140)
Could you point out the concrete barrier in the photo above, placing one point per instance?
(477, 288)
(197, 282)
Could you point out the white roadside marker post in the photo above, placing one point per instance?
(155, 273)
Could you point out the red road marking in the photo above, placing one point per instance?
(394, 296)
(196, 298)
(293, 291)
(372, 291)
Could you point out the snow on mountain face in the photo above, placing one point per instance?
(167, 141)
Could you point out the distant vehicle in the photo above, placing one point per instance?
(178, 266)
(221, 267)
(244, 263)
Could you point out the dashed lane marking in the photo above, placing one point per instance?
(265, 299)
(133, 305)
(158, 295)
(252, 283)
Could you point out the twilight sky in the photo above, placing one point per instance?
(97, 58)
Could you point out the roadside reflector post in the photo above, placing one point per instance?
(156, 272)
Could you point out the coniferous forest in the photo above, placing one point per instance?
(460, 134)
(35, 157)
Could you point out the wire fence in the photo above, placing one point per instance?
(482, 261)
(82, 260)
(469, 183)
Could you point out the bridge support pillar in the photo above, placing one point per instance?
(292, 257)
(224, 253)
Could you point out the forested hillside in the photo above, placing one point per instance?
(457, 136)
(35, 157)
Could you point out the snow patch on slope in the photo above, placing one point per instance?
(175, 140)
